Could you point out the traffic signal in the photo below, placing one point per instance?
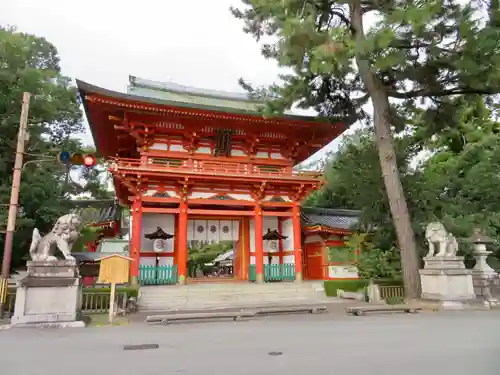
(67, 158)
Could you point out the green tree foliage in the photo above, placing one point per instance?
(201, 254)
(457, 184)
(29, 63)
(414, 51)
(88, 234)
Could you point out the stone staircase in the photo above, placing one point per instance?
(229, 295)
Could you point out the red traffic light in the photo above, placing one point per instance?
(89, 161)
(67, 158)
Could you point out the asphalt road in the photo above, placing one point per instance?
(456, 343)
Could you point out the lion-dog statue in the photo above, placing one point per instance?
(62, 236)
(436, 234)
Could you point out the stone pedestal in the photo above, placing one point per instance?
(49, 296)
(483, 276)
(446, 279)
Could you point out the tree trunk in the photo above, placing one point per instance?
(388, 163)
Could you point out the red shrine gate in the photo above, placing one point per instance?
(175, 162)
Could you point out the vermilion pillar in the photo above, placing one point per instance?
(182, 250)
(297, 241)
(135, 241)
(259, 251)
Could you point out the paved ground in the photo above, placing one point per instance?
(429, 343)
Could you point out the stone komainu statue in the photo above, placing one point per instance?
(62, 236)
(436, 234)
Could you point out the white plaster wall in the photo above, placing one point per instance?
(241, 197)
(165, 261)
(276, 155)
(201, 195)
(177, 148)
(275, 260)
(159, 146)
(235, 152)
(343, 272)
(147, 261)
(287, 229)
(149, 223)
(252, 237)
(172, 193)
(262, 154)
(204, 150)
(289, 258)
(149, 192)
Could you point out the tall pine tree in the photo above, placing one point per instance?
(413, 52)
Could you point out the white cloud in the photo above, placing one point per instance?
(192, 42)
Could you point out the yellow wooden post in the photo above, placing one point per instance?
(112, 303)
(114, 269)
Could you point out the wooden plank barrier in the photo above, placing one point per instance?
(361, 310)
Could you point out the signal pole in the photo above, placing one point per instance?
(14, 201)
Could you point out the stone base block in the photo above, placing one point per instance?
(48, 304)
(449, 284)
(444, 263)
(76, 324)
(59, 268)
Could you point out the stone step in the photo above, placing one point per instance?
(228, 295)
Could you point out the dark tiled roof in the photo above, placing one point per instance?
(332, 218)
(97, 211)
(86, 257)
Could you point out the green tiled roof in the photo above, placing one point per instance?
(195, 102)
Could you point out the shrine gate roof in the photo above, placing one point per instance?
(329, 218)
(186, 94)
(156, 103)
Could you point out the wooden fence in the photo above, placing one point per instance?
(92, 302)
(274, 272)
(392, 292)
(157, 275)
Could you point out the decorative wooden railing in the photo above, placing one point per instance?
(157, 275)
(204, 167)
(274, 272)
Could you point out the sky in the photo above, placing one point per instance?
(191, 42)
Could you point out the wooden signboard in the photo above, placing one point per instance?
(114, 269)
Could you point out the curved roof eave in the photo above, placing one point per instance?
(87, 88)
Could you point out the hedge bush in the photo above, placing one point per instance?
(331, 286)
(130, 290)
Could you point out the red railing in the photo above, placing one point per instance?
(212, 168)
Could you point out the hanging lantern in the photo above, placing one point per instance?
(159, 236)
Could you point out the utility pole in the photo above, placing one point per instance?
(14, 200)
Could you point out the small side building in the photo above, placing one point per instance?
(325, 254)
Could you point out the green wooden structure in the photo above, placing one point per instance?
(274, 272)
(157, 275)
